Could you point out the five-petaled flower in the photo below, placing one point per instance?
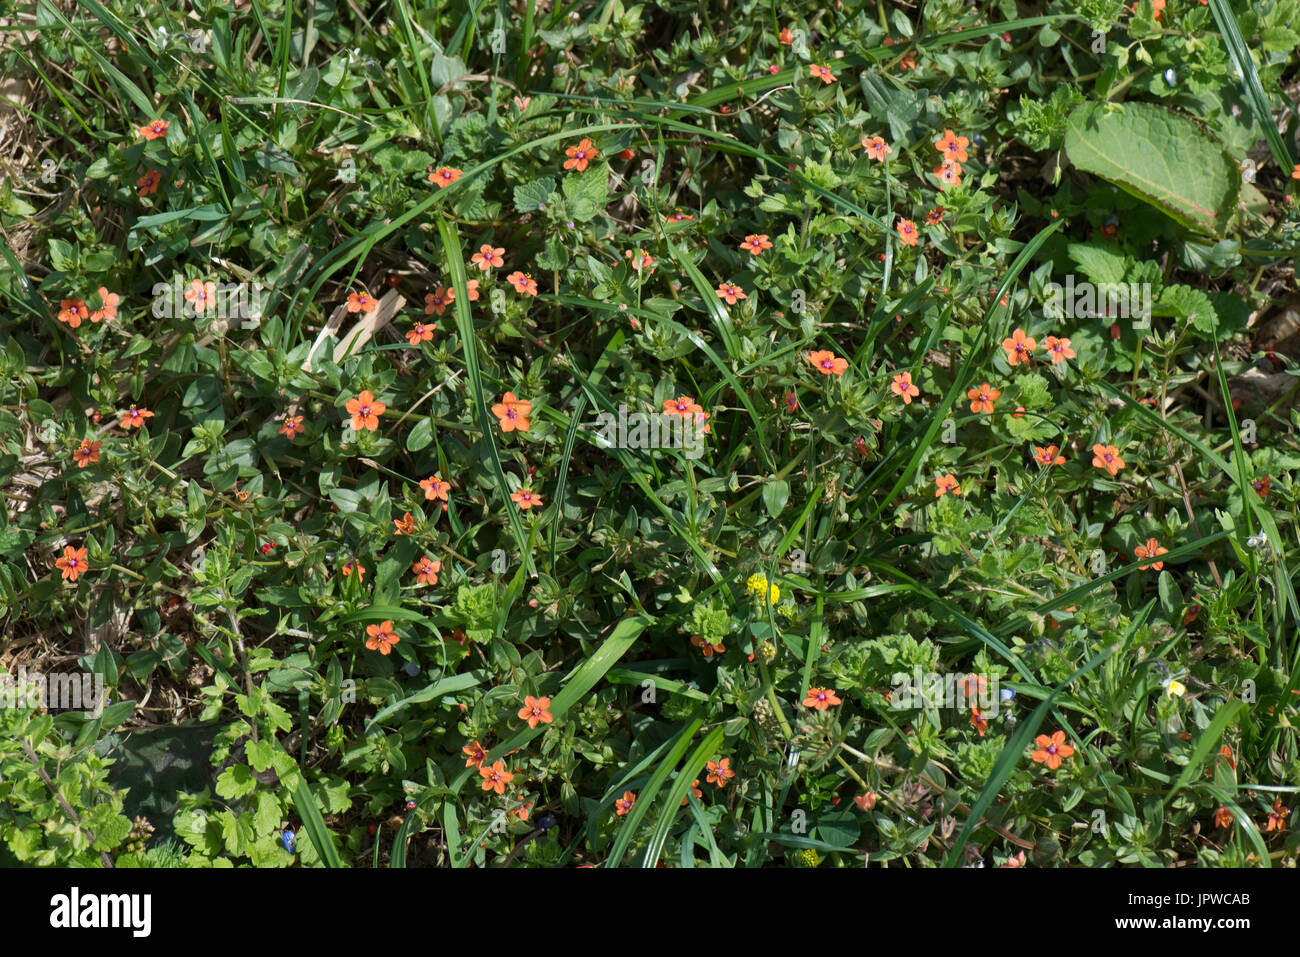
(683, 405)
(1051, 751)
(201, 295)
(720, 772)
(109, 308)
(365, 410)
(677, 216)
(730, 292)
(419, 333)
(526, 498)
(1151, 549)
(641, 259)
(495, 777)
(149, 182)
(73, 562)
(435, 488)
(488, 256)
(1277, 817)
(1107, 457)
(361, 302)
(935, 216)
(1048, 456)
(474, 754)
(534, 711)
(86, 453)
(1019, 347)
(352, 565)
(876, 147)
(952, 147)
(438, 300)
(982, 399)
(522, 283)
(1058, 349)
(291, 425)
(945, 484)
(579, 156)
(978, 721)
(819, 72)
(821, 698)
(426, 570)
(755, 243)
(1223, 818)
(949, 174)
(786, 37)
(134, 417)
(382, 637)
(154, 130)
(72, 311)
(404, 525)
(906, 231)
(512, 413)
(903, 387)
(624, 804)
(444, 176)
(827, 363)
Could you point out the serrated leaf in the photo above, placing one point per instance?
(1159, 156)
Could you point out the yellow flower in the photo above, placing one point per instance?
(758, 584)
(1174, 687)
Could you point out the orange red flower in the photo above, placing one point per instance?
(821, 698)
(1051, 751)
(624, 804)
(201, 295)
(1048, 456)
(865, 802)
(108, 309)
(755, 243)
(444, 176)
(1107, 457)
(683, 405)
(351, 566)
(512, 413)
(291, 425)
(903, 387)
(982, 399)
(579, 156)
(474, 754)
(1223, 818)
(526, 499)
(86, 453)
(435, 488)
(134, 417)
(730, 292)
(1019, 347)
(361, 302)
(906, 232)
(534, 711)
(404, 525)
(419, 333)
(438, 300)
(149, 182)
(876, 147)
(73, 562)
(945, 484)
(819, 72)
(365, 410)
(523, 283)
(496, 777)
(952, 147)
(154, 130)
(487, 257)
(1277, 817)
(708, 649)
(1150, 550)
(73, 311)
(1058, 349)
(426, 571)
(720, 772)
(382, 637)
(827, 363)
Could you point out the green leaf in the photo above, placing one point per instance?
(314, 824)
(531, 197)
(1159, 156)
(775, 495)
(587, 193)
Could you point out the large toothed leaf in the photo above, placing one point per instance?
(1159, 156)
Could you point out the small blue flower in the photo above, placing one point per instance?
(1006, 694)
(411, 668)
(289, 841)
